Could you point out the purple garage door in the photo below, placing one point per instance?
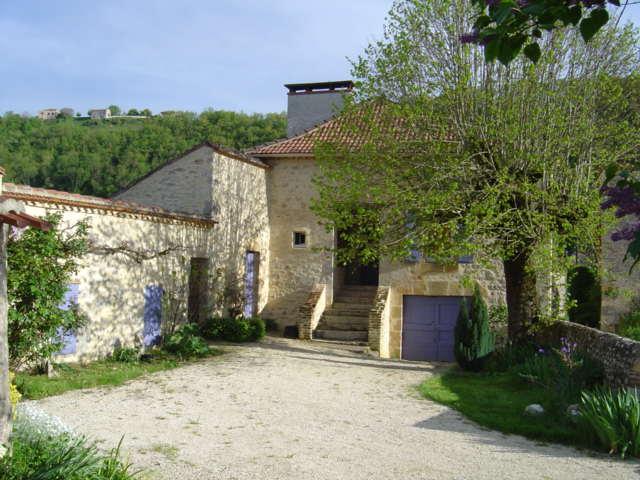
(427, 327)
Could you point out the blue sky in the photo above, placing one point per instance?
(186, 54)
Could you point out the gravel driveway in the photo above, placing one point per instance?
(284, 409)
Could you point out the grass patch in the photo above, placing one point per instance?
(95, 374)
(498, 400)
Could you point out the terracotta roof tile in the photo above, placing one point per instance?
(341, 129)
(44, 195)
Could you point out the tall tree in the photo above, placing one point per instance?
(469, 157)
(504, 28)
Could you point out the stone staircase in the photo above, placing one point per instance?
(347, 320)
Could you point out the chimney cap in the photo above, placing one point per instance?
(317, 87)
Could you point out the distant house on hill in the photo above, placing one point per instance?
(48, 113)
(100, 113)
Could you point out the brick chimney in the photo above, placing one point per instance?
(310, 104)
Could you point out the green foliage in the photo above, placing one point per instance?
(125, 354)
(186, 342)
(101, 157)
(40, 267)
(563, 373)
(510, 355)
(612, 418)
(238, 329)
(460, 157)
(584, 289)
(38, 455)
(473, 341)
(503, 27)
(629, 323)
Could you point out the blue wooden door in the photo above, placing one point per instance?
(427, 327)
(251, 264)
(68, 337)
(152, 315)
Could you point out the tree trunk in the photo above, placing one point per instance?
(5, 400)
(521, 296)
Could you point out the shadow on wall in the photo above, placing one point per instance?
(113, 283)
(240, 207)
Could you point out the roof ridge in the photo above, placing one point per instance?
(60, 196)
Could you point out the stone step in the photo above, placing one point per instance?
(354, 327)
(349, 346)
(357, 293)
(329, 322)
(348, 310)
(353, 300)
(344, 335)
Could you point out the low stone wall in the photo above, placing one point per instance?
(379, 323)
(311, 311)
(620, 356)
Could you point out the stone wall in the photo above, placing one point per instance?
(293, 272)
(426, 278)
(111, 285)
(619, 288)
(230, 189)
(379, 317)
(183, 185)
(311, 312)
(620, 356)
(239, 200)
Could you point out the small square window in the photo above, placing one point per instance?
(299, 239)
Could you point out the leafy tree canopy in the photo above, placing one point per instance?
(507, 27)
(100, 157)
(474, 157)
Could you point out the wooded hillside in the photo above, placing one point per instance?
(98, 157)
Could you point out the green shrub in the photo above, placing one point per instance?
(629, 324)
(564, 372)
(239, 329)
(271, 324)
(584, 289)
(41, 265)
(125, 354)
(41, 455)
(509, 355)
(258, 328)
(186, 342)
(612, 418)
(474, 342)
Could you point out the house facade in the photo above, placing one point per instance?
(216, 229)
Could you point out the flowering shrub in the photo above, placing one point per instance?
(624, 196)
(565, 371)
(14, 394)
(31, 420)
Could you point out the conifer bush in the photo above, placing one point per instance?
(473, 339)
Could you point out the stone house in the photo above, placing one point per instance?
(241, 225)
(48, 113)
(261, 202)
(99, 113)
